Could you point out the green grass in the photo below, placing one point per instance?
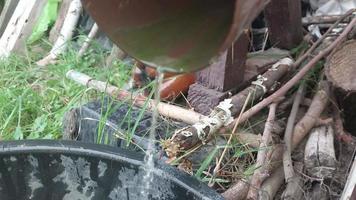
(33, 100)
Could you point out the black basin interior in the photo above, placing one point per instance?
(47, 169)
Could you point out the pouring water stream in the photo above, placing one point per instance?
(151, 149)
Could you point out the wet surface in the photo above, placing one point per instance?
(54, 170)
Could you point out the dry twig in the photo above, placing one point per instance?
(302, 128)
(287, 156)
(92, 34)
(261, 173)
(287, 86)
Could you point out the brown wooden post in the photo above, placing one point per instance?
(284, 22)
(223, 75)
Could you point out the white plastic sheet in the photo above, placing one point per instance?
(332, 7)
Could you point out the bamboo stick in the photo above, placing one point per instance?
(167, 110)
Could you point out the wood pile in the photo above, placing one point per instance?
(279, 121)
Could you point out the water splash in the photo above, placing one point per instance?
(149, 162)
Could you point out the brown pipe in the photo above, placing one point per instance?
(179, 35)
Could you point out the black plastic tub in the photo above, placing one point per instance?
(47, 169)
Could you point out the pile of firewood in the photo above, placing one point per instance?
(303, 142)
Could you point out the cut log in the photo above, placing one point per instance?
(341, 67)
(341, 72)
(319, 157)
(284, 22)
(6, 13)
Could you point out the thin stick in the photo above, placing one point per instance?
(301, 129)
(287, 86)
(260, 174)
(92, 34)
(320, 40)
(287, 158)
(167, 110)
(217, 167)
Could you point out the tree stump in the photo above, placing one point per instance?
(341, 72)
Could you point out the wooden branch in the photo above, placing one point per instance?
(287, 156)
(92, 34)
(238, 191)
(55, 31)
(263, 84)
(320, 101)
(301, 59)
(217, 166)
(71, 20)
(261, 172)
(302, 128)
(271, 186)
(294, 189)
(319, 156)
(200, 132)
(249, 139)
(255, 91)
(287, 86)
(167, 110)
(323, 19)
